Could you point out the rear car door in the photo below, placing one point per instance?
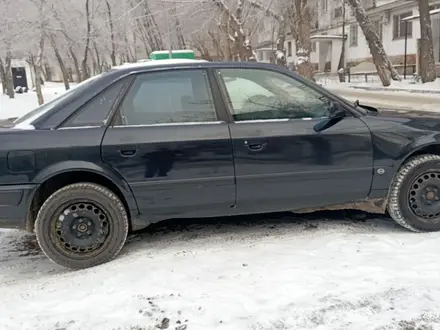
(280, 161)
(168, 142)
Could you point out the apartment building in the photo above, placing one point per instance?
(396, 23)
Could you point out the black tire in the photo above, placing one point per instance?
(408, 203)
(98, 217)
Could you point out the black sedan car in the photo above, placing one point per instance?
(178, 139)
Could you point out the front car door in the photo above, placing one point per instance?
(169, 143)
(281, 163)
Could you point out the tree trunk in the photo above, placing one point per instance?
(84, 66)
(341, 65)
(152, 30)
(38, 70)
(178, 28)
(3, 76)
(226, 38)
(427, 60)
(75, 64)
(63, 69)
(281, 38)
(380, 58)
(241, 47)
(98, 58)
(301, 23)
(112, 34)
(8, 74)
(216, 44)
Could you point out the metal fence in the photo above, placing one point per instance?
(328, 78)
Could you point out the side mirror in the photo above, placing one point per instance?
(337, 113)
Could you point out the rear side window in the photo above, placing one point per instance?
(168, 97)
(96, 112)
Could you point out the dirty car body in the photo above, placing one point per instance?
(149, 142)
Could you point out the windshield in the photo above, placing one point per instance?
(31, 116)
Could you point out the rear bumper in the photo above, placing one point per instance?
(14, 205)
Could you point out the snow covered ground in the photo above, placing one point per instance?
(23, 103)
(260, 272)
(374, 82)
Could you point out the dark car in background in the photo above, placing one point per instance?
(181, 139)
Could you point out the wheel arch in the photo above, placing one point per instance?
(413, 150)
(416, 149)
(69, 172)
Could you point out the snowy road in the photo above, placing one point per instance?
(392, 100)
(260, 272)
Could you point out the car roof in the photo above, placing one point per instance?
(184, 63)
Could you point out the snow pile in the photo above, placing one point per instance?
(250, 273)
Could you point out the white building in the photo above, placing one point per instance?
(388, 16)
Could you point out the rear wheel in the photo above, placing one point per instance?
(82, 225)
(414, 199)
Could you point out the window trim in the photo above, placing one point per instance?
(121, 95)
(215, 70)
(398, 36)
(210, 86)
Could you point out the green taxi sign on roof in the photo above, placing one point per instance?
(165, 54)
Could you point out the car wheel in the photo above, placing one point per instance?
(414, 200)
(82, 225)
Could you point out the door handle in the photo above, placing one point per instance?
(255, 146)
(128, 152)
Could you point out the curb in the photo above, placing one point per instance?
(386, 89)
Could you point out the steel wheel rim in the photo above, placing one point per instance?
(424, 197)
(81, 229)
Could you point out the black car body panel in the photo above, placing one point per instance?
(175, 170)
(216, 168)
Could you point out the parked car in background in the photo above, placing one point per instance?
(185, 138)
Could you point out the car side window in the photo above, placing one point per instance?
(96, 112)
(257, 94)
(167, 97)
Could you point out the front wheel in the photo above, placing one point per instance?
(414, 200)
(82, 225)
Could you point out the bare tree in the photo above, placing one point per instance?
(241, 47)
(8, 73)
(112, 33)
(2, 76)
(84, 66)
(383, 65)
(61, 64)
(281, 19)
(427, 61)
(301, 17)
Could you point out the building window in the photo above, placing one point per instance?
(338, 12)
(399, 26)
(289, 48)
(378, 27)
(434, 7)
(313, 47)
(353, 35)
(324, 5)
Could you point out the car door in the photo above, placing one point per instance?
(281, 163)
(168, 142)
